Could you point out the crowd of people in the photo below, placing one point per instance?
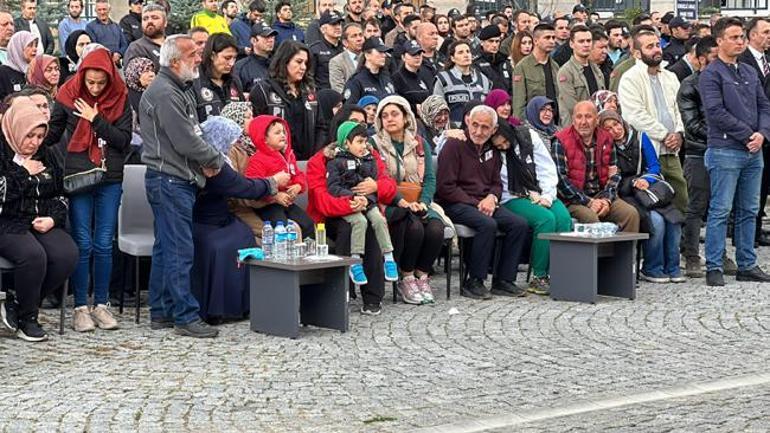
(409, 122)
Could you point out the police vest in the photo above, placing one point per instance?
(457, 92)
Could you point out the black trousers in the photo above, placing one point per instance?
(514, 229)
(339, 230)
(698, 192)
(43, 261)
(276, 212)
(416, 242)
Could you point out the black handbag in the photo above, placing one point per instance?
(657, 195)
(84, 181)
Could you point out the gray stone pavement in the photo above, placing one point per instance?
(413, 367)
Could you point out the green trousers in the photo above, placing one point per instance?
(555, 219)
(671, 169)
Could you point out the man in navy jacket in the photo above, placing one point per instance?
(738, 116)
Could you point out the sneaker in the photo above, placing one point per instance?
(196, 329)
(162, 323)
(507, 288)
(715, 279)
(540, 286)
(423, 283)
(729, 266)
(81, 319)
(357, 275)
(474, 289)
(653, 279)
(30, 330)
(692, 267)
(753, 274)
(410, 291)
(391, 271)
(8, 311)
(679, 278)
(371, 309)
(103, 318)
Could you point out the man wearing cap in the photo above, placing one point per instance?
(496, 66)
(578, 78)
(344, 65)
(254, 68)
(131, 24)
(413, 80)
(536, 74)
(662, 25)
(371, 78)
(313, 32)
(154, 34)
(329, 46)
(400, 12)
(680, 33)
(580, 14)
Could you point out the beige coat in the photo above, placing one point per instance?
(341, 68)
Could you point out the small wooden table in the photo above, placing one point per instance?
(584, 267)
(287, 294)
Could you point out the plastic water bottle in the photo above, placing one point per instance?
(320, 240)
(280, 242)
(267, 240)
(291, 240)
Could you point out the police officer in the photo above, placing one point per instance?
(216, 86)
(371, 78)
(414, 81)
(461, 82)
(496, 66)
(329, 46)
(254, 68)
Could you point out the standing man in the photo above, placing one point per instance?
(209, 19)
(154, 34)
(178, 162)
(328, 47)
(313, 31)
(599, 55)
(6, 31)
(688, 63)
(561, 26)
(254, 68)
(647, 95)
(615, 30)
(282, 23)
(410, 34)
(520, 23)
(738, 118)
(496, 66)
(344, 65)
(39, 28)
(579, 14)
(240, 27)
(400, 12)
(355, 10)
(104, 31)
(131, 24)
(71, 22)
(427, 37)
(758, 31)
(578, 78)
(536, 74)
(680, 33)
(461, 30)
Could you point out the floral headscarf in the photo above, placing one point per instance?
(134, 70)
(600, 98)
(236, 111)
(430, 108)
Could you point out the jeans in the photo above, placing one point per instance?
(735, 177)
(172, 201)
(698, 192)
(661, 250)
(94, 218)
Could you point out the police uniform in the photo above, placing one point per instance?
(413, 86)
(456, 91)
(210, 98)
(253, 68)
(322, 51)
(497, 68)
(364, 82)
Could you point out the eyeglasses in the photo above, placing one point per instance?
(547, 109)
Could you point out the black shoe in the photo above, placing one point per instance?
(753, 274)
(762, 240)
(8, 312)
(474, 289)
(371, 309)
(507, 288)
(51, 302)
(30, 330)
(197, 329)
(163, 323)
(715, 279)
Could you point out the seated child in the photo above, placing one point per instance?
(369, 104)
(272, 139)
(352, 164)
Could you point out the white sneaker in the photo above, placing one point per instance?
(103, 318)
(81, 320)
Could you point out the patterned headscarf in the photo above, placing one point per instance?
(221, 133)
(600, 97)
(134, 70)
(430, 108)
(236, 111)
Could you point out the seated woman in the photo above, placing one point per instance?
(540, 118)
(33, 212)
(605, 100)
(416, 223)
(219, 285)
(639, 168)
(500, 100)
(44, 73)
(529, 179)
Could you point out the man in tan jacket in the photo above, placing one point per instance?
(343, 65)
(578, 78)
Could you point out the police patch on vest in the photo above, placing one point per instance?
(207, 94)
(454, 99)
(274, 98)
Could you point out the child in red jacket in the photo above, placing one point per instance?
(272, 139)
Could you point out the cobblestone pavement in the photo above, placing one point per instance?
(410, 368)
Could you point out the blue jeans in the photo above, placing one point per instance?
(172, 201)
(94, 217)
(736, 177)
(661, 250)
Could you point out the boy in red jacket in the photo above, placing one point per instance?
(272, 139)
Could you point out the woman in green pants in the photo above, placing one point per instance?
(529, 182)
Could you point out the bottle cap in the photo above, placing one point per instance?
(321, 226)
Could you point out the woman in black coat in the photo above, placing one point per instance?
(22, 48)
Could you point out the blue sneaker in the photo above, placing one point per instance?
(357, 275)
(391, 271)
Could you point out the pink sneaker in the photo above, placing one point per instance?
(410, 291)
(425, 289)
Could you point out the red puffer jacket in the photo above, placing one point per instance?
(267, 161)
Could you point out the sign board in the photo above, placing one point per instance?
(687, 9)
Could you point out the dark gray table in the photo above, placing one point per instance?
(584, 267)
(285, 294)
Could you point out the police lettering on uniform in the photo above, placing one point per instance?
(462, 82)
(371, 78)
(327, 47)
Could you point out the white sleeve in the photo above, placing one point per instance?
(545, 168)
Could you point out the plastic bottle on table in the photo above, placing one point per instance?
(280, 242)
(320, 239)
(291, 240)
(267, 240)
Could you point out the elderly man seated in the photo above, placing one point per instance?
(588, 175)
(468, 187)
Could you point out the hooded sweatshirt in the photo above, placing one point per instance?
(268, 161)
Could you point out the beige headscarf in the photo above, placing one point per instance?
(19, 120)
(412, 164)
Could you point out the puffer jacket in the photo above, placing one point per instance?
(693, 116)
(268, 161)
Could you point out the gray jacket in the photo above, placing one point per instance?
(143, 47)
(173, 140)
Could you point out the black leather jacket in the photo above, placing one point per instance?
(693, 116)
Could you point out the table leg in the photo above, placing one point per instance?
(325, 304)
(274, 302)
(617, 273)
(573, 271)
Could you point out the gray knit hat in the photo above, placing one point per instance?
(221, 133)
